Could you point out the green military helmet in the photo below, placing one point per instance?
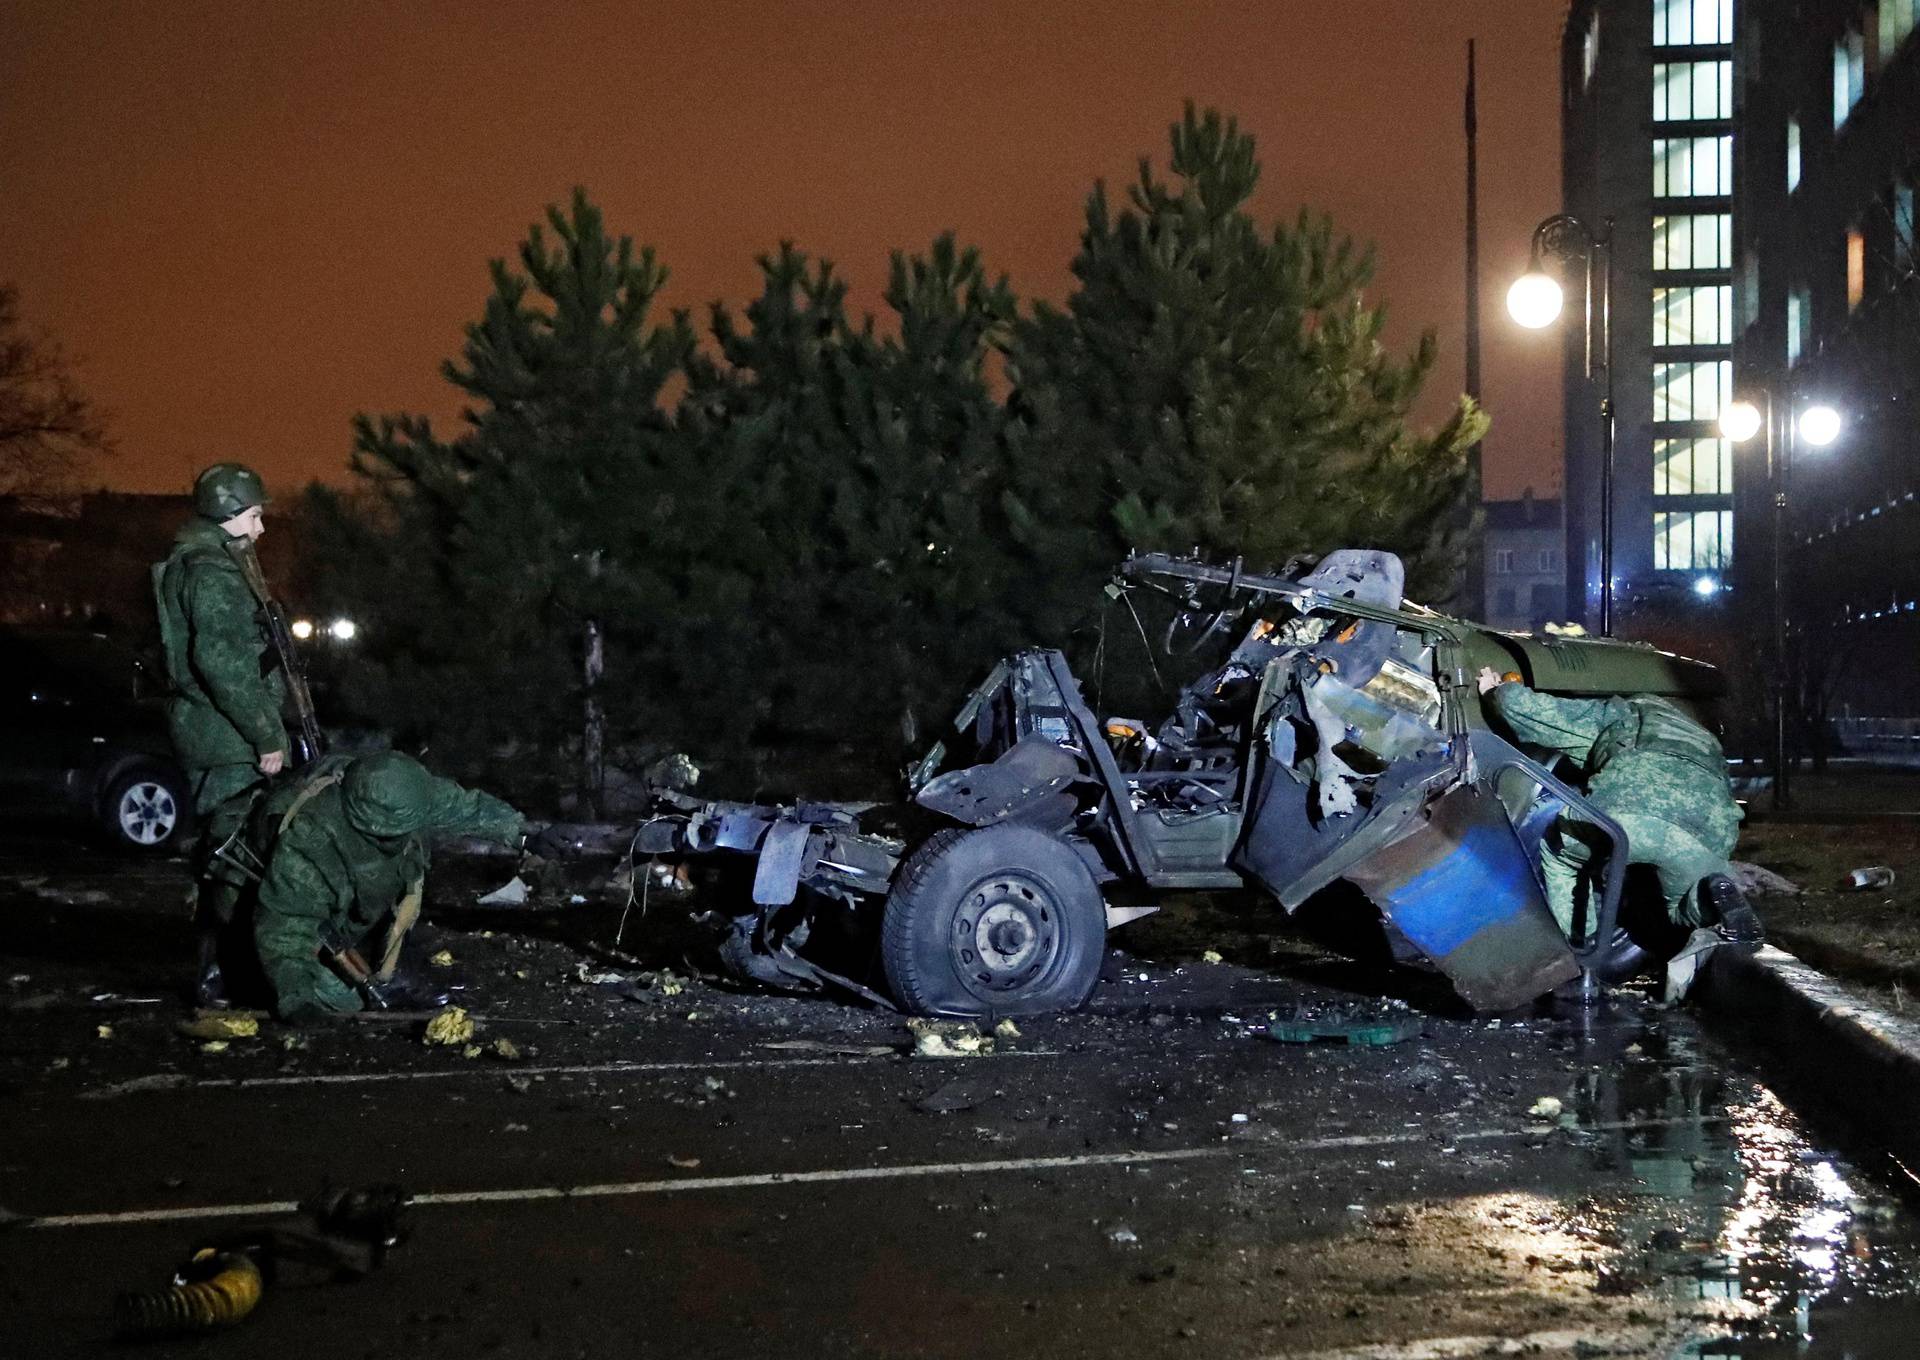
(227, 489)
(388, 794)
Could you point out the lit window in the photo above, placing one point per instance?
(1684, 90)
(1896, 22)
(1692, 391)
(1692, 167)
(1692, 540)
(1692, 467)
(1849, 74)
(1799, 323)
(1856, 267)
(1693, 316)
(1699, 241)
(1793, 154)
(1684, 23)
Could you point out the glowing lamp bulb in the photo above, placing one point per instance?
(1740, 421)
(1706, 587)
(1534, 300)
(342, 630)
(1819, 425)
(302, 629)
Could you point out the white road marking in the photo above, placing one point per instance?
(678, 1185)
(171, 1082)
(765, 1179)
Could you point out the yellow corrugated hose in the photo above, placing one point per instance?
(228, 1291)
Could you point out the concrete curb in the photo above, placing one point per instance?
(1862, 1060)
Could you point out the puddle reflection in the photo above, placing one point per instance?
(1782, 1245)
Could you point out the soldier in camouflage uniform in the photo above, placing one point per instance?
(224, 714)
(1655, 771)
(342, 849)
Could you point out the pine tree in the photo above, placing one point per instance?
(859, 469)
(488, 553)
(1214, 385)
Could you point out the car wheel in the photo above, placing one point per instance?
(1002, 920)
(146, 810)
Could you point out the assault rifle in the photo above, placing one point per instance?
(308, 744)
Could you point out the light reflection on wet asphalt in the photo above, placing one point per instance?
(1797, 1251)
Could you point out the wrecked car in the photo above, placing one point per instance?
(1342, 740)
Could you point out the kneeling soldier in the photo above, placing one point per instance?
(342, 849)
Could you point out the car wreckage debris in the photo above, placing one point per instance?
(1341, 741)
(948, 1039)
(343, 1235)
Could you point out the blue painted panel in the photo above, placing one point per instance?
(1484, 881)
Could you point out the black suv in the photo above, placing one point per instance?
(83, 725)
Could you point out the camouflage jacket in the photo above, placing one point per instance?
(327, 881)
(1638, 753)
(224, 709)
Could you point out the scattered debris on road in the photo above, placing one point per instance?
(345, 1235)
(220, 1025)
(217, 1289)
(1758, 881)
(513, 893)
(962, 1093)
(948, 1039)
(1546, 1108)
(442, 959)
(1361, 1025)
(452, 1027)
(1866, 879)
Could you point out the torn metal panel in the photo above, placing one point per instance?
(1462, 889)
(1027, 775)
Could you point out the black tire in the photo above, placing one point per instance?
(1002, 920)
(146, 810)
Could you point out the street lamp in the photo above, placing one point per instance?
(1819, 425)
(1535, 301)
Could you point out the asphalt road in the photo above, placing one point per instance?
(714, 1173)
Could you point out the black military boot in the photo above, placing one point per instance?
(209, 982)
(1731, 915)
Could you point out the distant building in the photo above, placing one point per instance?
(1648, 143)
(84, 561)
(1526, 579)
(1828, 305)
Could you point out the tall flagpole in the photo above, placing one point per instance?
(1475, 594)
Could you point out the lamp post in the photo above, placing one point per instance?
(1819, 425)
(1535, 300)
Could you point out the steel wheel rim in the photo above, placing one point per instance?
(147, 813)
(1006, 934)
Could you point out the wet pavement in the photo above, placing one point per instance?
(687, 1170)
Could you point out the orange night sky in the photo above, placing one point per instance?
(252, 220)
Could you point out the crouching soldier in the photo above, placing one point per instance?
(1655, 771)
(342, 850)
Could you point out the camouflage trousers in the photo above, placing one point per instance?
(1575, 852)
(223, 795)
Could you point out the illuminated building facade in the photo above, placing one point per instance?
(1649, 142)
(1828, 306)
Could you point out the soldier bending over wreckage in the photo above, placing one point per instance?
(1655, 771)
(341, 849)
